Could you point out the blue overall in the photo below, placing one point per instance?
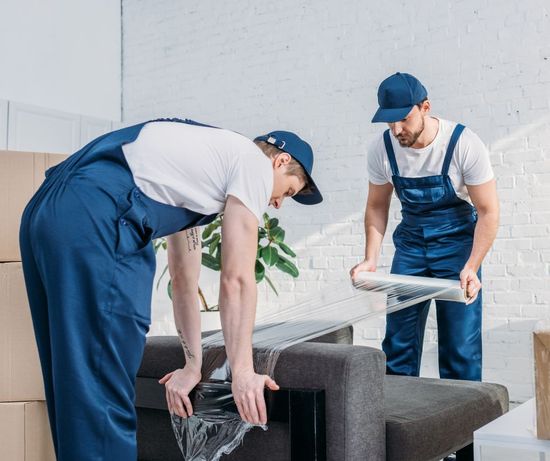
(434, 239)
(89, 265)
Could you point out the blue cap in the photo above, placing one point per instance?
(301, 151)
(397, 95)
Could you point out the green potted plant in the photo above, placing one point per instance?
(272, 252)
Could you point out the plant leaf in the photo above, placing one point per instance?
(287, 266)
(218, 254)
(270, 255)
(259, 270)
(272, 223)
(169, 288)
(286, 249)
(210, 228)
(207, 242)
(210, 262)
(157, 243)
(268, 280)
(214, 243)
(277, 234)
(162, 275)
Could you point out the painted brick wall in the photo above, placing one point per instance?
(314, 67)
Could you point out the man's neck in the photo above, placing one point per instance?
(431, 128)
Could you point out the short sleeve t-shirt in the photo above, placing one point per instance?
(197, 167)
(470, 164)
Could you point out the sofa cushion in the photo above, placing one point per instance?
(427, 419)
(163, 353)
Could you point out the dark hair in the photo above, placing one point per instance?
(421, 102)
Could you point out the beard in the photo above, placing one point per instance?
(408, 139)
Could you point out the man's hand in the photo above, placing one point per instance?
(248, 392)
(470, 283)
(179, 383)
(365, 266)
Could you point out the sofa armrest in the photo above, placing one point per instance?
(353, 379)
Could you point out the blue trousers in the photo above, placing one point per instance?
(89, 269)
(438, 252)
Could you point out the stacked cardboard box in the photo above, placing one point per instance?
(21, 173)
(24, 428)
(541, 346)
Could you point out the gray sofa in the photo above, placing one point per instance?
(368, 416)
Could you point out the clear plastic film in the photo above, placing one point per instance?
(216, 427)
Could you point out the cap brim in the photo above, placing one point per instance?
(391, 115)
(312, 198)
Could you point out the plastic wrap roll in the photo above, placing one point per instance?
(395, 283)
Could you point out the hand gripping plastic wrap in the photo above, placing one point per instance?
(216, 427)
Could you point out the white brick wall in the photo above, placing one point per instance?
(314, 67)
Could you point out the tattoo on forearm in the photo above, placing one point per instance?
(186, 349)
(192, 239)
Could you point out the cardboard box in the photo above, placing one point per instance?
(25, 432)
(541, 346)
(21, 173)
(20, 372)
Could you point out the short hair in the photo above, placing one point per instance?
(293, 169)
(421, 102)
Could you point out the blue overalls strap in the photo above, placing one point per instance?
(451, 147)
(391, 153)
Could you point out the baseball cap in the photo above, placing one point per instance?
(397, 95)
(301, 151)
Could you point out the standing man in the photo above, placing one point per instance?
(89, 265)
(443, 178)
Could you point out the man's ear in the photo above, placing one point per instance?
(282, 159)
(426, 107)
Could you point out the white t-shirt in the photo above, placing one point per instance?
(197, 167)
(470, 164)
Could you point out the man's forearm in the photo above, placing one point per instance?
(238, 311)
(484, 236)
(184, 261)
(188, 322)
(376, 221)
